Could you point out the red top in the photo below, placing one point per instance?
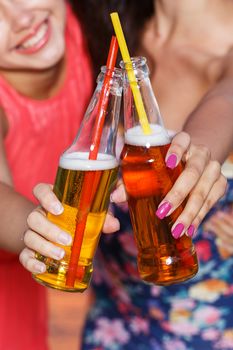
(39, 131)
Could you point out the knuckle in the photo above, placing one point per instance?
(33, 218)
(222, 192)
(223, 184)
(42, 191)
(215, 167)
(38, 188)
(185, 137)
(193, 172)
(187, 217)
(205, 209)
(199, 197)
(52, 232)
(204, 151)
(26, 238)
(208, 205)
(180, 142)
(198, 219)
(43, 247)
(177, 195)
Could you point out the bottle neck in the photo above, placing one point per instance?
(115, 76)
(97, 133)
(139, 66)
(150, 105)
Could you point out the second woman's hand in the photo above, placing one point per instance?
(201, 181)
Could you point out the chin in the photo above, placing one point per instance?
(54, 56)
(49, 59)
(48, 64)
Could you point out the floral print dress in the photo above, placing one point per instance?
(132, 315)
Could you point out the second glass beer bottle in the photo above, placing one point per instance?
(83, 186)
(162, 259)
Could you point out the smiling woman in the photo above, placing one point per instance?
(39, 90)
(30, 29)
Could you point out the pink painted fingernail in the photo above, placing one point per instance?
(171, 161)
(178, 229)
(191, 231)
(163, 209)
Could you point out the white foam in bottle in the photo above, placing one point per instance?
(80, 161)
(136, 137)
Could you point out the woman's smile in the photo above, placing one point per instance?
(36, 39)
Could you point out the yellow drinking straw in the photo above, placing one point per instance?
(130, 72)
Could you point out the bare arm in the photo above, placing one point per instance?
(14, 208)
(211, 123)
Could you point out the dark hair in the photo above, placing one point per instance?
(97, 25)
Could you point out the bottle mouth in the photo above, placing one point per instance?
(136, 62)
(117, 72)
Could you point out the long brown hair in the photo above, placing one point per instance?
(94, 16)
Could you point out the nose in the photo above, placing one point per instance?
(21, 17)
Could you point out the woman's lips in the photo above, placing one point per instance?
(36, 41)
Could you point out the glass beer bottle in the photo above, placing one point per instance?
(85, 206)
(162, 259)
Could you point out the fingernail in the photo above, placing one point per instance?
(171, 161)
(58, 253)
(64, 238)
(178, 229)
(163, 209)
(40, 268)
(191, 231)
(56, 208)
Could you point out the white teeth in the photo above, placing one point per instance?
(36, 38)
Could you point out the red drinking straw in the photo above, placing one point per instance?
(90, 182)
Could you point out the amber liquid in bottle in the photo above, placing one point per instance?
(162, 259)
